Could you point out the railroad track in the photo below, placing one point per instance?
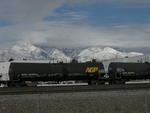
(70, 89)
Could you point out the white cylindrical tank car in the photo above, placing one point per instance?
(4, 71)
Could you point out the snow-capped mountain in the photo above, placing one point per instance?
(4, 54)
(28, 51)
(58, 56)
(103, 54)
(34, 52)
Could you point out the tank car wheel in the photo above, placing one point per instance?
(89, 82)
(112, 82)
(120, 82)
(117, 82)
(95, 82)
(100, 82)
(16, 84)
(92, 82)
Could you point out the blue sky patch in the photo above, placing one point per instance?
(103, 14)
(5, 23)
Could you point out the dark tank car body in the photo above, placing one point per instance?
(128, 71)
(15, 73)
(24, 71)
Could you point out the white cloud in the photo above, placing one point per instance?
(29, 11)
(66, 34)
(28, 27)
(24, 11)
(70, 34)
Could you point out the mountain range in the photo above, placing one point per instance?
(28, 51)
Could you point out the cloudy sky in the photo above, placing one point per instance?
(72, 23)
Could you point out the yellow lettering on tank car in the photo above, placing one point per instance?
(91, 69)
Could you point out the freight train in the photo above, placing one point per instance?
(17, 73)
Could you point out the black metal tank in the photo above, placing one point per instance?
(55, 71)
(129, 70)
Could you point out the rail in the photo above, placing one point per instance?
(70, 89)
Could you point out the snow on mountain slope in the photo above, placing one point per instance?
(33, 52)
(58, 56)
(29, 51)
(7, 54)
(3, 55)
(103, 54)
(132, 54)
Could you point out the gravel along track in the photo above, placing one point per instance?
(68, 89)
